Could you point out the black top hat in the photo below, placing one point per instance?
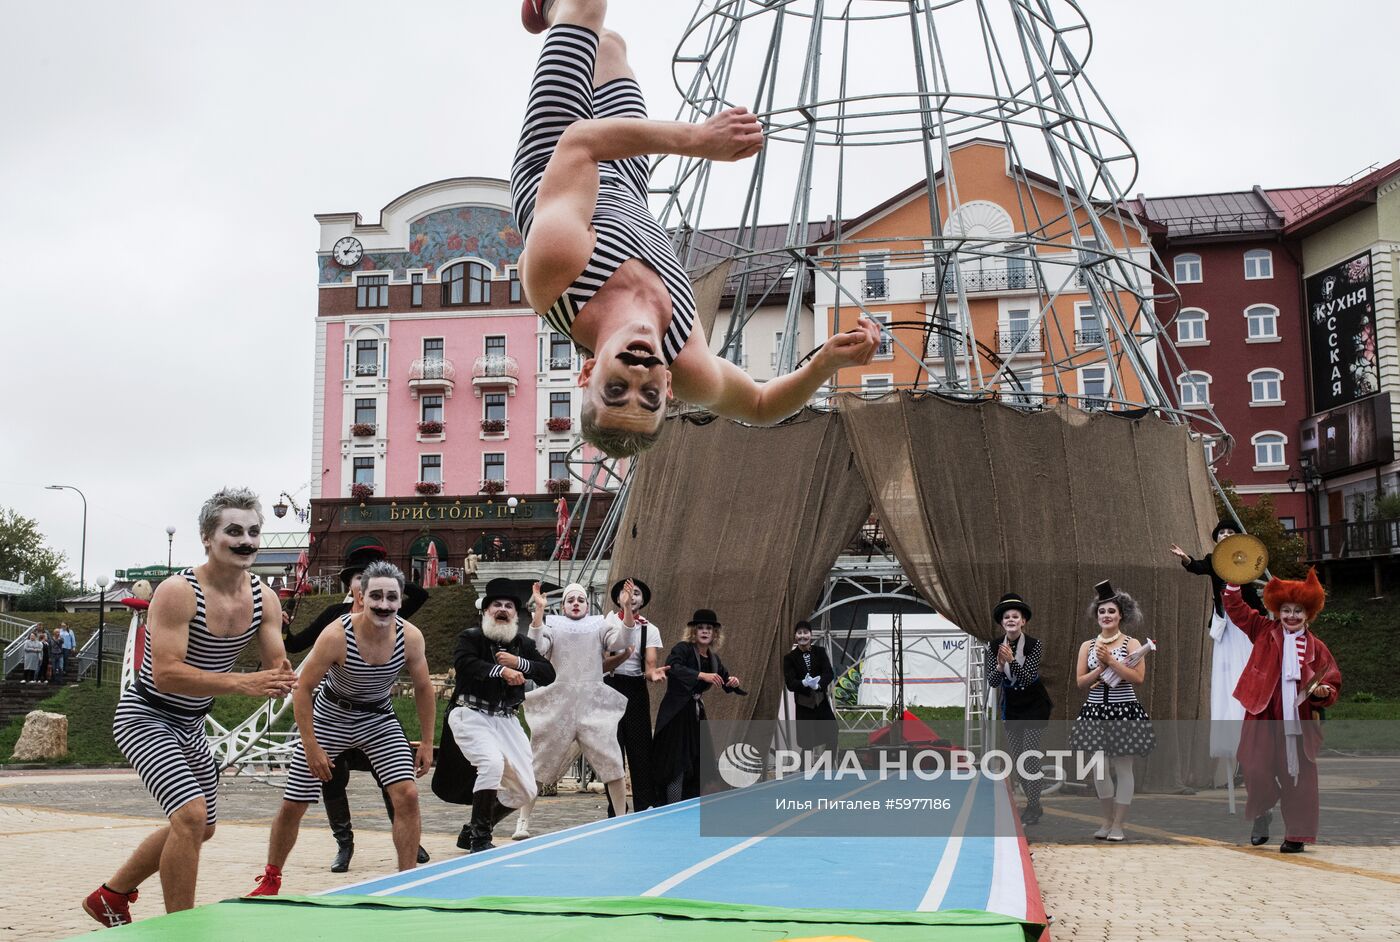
(803, 625)
(617, 592)
(703, 616)
(1106, 591)
(501, 589)
(1009, 601)
(1225, 524)
(350, 572)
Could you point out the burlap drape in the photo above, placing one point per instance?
(976, 499)
(979, 499)
(745, 521)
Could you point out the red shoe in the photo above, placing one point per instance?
(269, 883)
(110, 907)
(532, 15)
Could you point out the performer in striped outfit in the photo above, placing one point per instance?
(600, 268)
(1290, 676)
(360, 659)
(199, 621)
(1013, 666)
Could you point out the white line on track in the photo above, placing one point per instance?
(943, 876)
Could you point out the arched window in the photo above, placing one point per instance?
(1263, 322)
(466, 283)
(1191, 326)
(1187, 268)
(1266, 387)
(1268, 450)
(1258, 264)
(1195, 390)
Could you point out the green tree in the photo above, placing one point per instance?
(1260, 520)
(25, 551)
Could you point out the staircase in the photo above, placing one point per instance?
(17, 699)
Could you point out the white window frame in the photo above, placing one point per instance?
(1209, 443)
(777, 346)
(1079, 308)
(505, 465)
(421, 469)
(1263, 265)
(1198, 316)
(1190, 380)
(1277, 379)
(1031, 395)
(1282, 445)
(1187, 259)
(886, 339)
(1249, 336)
(1107, 385)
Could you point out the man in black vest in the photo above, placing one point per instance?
(493, 662)
(807, 673)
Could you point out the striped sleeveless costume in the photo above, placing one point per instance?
(562, 92)
(352, 711)
(1112, 719)
(162, 734)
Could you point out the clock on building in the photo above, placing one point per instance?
(347, 251)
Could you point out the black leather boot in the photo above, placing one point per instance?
(1291, 847)
(464, 837)
(1260, 833)
(338, 814)
(484, 806)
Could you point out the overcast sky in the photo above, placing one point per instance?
(161, 163)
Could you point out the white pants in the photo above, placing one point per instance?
(500, 751)
(1229, 655)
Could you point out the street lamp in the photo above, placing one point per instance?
(82, 558)
(101, 621)
(1293, 483)
(169, 548)
(513, 503)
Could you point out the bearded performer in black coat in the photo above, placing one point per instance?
(485, 759)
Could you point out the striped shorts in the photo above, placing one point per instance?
(378, 735)
(170, 753)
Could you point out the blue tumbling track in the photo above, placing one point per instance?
(974, 859)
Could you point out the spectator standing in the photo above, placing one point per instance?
(33, 656)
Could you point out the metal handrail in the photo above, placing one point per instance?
(113, 644)
(12, 628)
(14, 654)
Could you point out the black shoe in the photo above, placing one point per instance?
(1031, 815)
(342, 858)
(464, 839)
(1260, 834)
(423, 855)
(1291, 847)
(478, 829)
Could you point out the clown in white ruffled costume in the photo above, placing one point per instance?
(578, 708)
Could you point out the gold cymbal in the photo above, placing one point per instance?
(1240, 559)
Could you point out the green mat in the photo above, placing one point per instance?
(540, 919)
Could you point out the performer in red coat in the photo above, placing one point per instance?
(1290, 675)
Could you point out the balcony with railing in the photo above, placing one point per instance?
(1088, 337)
(432, 375)
(874, 289)
(495, 370)
(939, 345)
(1360, 539)
(1018, 340)
(981, 280)
(364, 370)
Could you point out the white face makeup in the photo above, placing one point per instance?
(1225, 535)
(236, 540)
(1293, 616)
(704, 634)
(636, 598)
(499, 621)
(1109, 617)
(1013, 621)
(803, 637)
(382, 599)
(575, 605)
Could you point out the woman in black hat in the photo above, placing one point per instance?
(692, 667)
(1013, 666)
(1112, 720)
(629, 670)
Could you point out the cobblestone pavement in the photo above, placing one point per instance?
(67, 831)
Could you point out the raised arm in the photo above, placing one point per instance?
(1245, 618)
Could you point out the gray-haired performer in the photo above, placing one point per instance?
(199, 622)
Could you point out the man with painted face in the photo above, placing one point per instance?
(333, 794)
(807, 673)
(1229, 649)
(629, 672)
(1012, 665)
(599, 268)
(578, 708)
(199, 622)
(493, 662)
(360, 660)
(1290, 676)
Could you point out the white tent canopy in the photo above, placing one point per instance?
(935, 661)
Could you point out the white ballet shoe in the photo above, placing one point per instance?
(522, 830)
(1102, 833)
(1115, 835)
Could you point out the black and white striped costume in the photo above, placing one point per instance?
(1112, 719)
(162, 734)
(353, 711)
(562, 92)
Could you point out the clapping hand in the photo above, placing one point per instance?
(537, 600)
(1005, 654)
(810, 682)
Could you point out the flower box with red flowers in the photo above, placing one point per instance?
(430, 428)
(493, 426)
(361, 491)
(492, 487)
(560, 423)
(557, 485)
(428, 488)
(363, 429)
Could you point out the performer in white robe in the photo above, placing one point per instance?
(578, 708)
(1230, 651)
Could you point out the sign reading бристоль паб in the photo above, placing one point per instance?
(1342, 333)
(410, 513)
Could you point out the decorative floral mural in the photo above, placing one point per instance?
(436, 238)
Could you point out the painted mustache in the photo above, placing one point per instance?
(631, 359)
(384, 612)
(245, 550)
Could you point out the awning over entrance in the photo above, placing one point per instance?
(365, 546)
